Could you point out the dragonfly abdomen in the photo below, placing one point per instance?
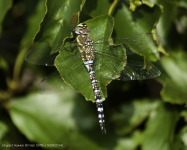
(96, 90)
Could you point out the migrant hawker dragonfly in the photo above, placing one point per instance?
(97, 57)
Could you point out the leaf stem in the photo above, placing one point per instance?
(112, 7)
(18, 64)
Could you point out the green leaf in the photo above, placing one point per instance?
(4, 7)
(3, 130)
(132, 114)
(65, 119)
(96, 8)
(129, 143)
(55, 119)
(56, 25)
(73, 71)
(3, 64)
(182, 3)
(148, 3)
(33, 23)
(180, 140)
(33, 27)
(165, 23)
(184, 114)
(143, 20)
(160, 128)
(174, 78)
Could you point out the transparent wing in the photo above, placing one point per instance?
(140, 44)
(43, 55)
(53, 83)
(70, 68)
(133, 70)
(136, 70)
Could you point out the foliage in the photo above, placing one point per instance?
(149, 114)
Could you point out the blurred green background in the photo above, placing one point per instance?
(140, 115)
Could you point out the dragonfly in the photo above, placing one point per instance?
(93, 57)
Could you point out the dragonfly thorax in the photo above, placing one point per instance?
(85, 45)
(82, 29)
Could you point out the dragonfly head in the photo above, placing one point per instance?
(81, 29)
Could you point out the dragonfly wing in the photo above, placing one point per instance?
(136, 70)
(139, 44)
(52, 83)
(108, 66)
(43, 56)
(72, 70)
(76, 74)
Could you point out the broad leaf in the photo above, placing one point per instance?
(131, 115)
(64, 119)
(4, 6)
(33, 24)
(174, 78)
(129, 143)
(165, 22)
(143, 20)
(3, 130)
(180, 140)
(96, 8)
(56, 25)
(54, 119)
(160, 128)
